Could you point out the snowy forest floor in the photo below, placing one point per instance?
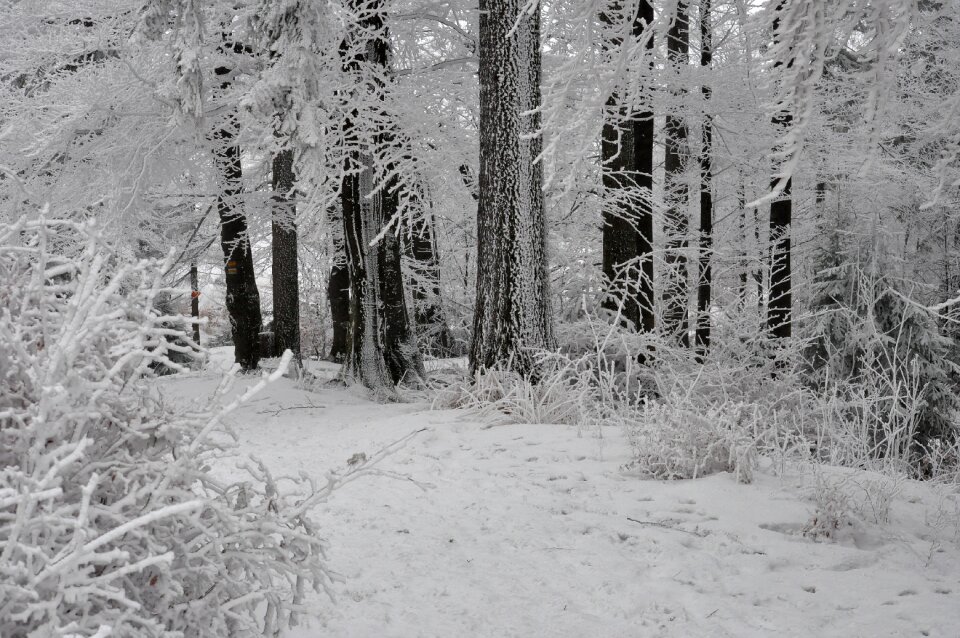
(526, 530)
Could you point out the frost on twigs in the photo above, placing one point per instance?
(110, 523)
(670, 441)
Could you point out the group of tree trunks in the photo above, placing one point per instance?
(627, 163)
(373, 332)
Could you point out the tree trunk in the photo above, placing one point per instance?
(421, 247)
(286, 288)
(620, 215)
(742, 238)
(623, 206)
(705, 278)
(780, 303)
(512, 317)
(382, 348)
(643, 138)
(195, 302)
(675, 289)
(242, 295)
(338, 290)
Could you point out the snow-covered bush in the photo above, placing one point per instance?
(673, 441)
(887, 356)
(504, 396)
(110, 520)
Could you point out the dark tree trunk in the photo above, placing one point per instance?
(286, 286)
(742, 238)
(512, 316)
(643, 134)
(421, 248)
(676, 284)
(705, 278)
(620, 236)
(758, 274)
(382, 349)
(195, 302)
(338, 291)
(402, 353)
(242, 296)
(780, 303)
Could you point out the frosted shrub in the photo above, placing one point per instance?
(832, 505)
(505, 396)
(671, 441)
(110, 522)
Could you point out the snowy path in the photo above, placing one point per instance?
(526, 532)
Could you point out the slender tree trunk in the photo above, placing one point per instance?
(780, 304)
(705, 278)
(620, 215)
(286, 286)
(338, 290)
(676, 293)
(512, 316)
(643, 138)
(195, 302)
(758, 274)
(742, 238)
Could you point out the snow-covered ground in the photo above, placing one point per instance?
(526, 530)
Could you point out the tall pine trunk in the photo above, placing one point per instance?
(705, 278)
(286, 287)
(512, 316)
(780, 302)
(676, 284)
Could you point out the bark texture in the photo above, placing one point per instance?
(512, 315)
(676, 224)
(286, 284)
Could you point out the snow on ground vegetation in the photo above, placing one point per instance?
(546, 530)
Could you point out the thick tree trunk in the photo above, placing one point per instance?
(512, 316)
(780, 303)
(242, 296)
(338, 290)
(676, 284)
(705, 278)
(382, 348)
(286, 287)
(402, 353)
